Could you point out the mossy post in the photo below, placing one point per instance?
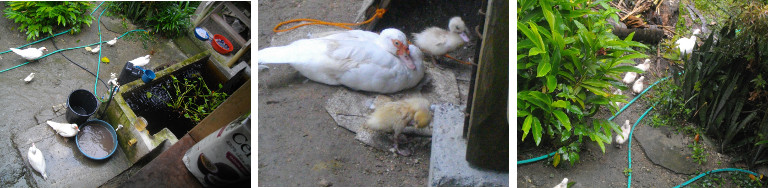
(488, 128)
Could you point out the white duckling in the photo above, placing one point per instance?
(384, 64)
(618, 92)
(638, 86)
(686, 44)
(30, 53)
(625, 129)
(395, 116)
(436, 41)
(64, 129)
(140, 61)
(563, 184)
(112, 42)
(645, 66)
(629, 77)
(95, 50)
(36, 160)
(29, 78)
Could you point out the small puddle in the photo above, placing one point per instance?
(95, 140)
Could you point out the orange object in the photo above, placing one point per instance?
(379, 14)
(460, 61)
(752, 177)
(696, 139)
(219, 48)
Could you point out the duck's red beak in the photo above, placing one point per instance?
(404, 54)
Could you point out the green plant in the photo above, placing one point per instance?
(698, 154)
(40, 17)
(168, 18)
(719, 83)
(568, 63)
(627, 171)
(193, 99)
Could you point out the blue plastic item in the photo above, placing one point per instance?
(148, 76)
(201, 34)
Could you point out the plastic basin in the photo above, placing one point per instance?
(96, 140)
(219, 48)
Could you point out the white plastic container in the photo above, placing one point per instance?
(224, 156)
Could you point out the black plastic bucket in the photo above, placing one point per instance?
(81, 104)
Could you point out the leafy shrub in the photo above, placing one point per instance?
(38, 17)
(723, 81)
(568, 62)
(168, 18)
(193, 99)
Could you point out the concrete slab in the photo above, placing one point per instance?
(448, 166)
(666, 149)
(65, 165)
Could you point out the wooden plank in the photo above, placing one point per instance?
(233, 35)
(246, 20)
(488, 133)
(167, 170)
(235, 106)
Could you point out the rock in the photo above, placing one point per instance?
(324, 183)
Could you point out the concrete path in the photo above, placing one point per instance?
(55, 78)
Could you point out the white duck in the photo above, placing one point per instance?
(30, 53)
(563, 184)
(36, 160)
(638, 86)
(112, 42)
(384, 64)
(29, 78)
(64, 129)
(625, 129)
(686, 44)
(140, 61)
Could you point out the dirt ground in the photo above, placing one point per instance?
(598, 169)
(299, 143)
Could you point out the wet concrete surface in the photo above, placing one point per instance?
(26, 105)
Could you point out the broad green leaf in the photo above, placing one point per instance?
(559, 104)
(536, 130)
(535, 51)
(543, 69)
(551, 83)
(560, 115)
(574, 109)
(527, 125)
(623, 69)
(595, 90)
(597, 83)
(522, 113)
(536, 37)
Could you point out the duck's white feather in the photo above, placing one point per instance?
(30, 53)
(354, 59)
(36, 160)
